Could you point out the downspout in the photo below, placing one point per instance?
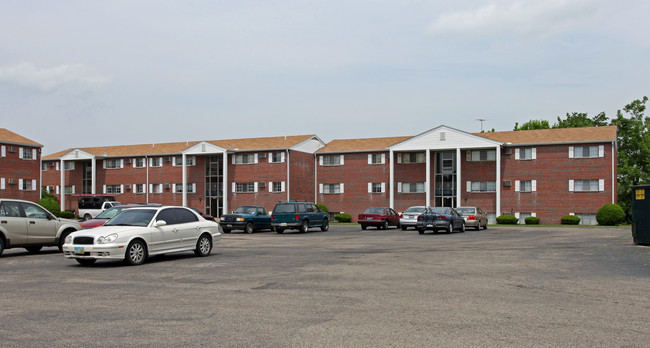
(498, 183)
(315, 179)
(459, 175)
(613, 175)
(146, 187)
(62, 185)
(288, 186)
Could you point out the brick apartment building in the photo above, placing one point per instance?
(20, 161)
(544, 173)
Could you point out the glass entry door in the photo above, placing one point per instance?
(445, 179)
(214, 185)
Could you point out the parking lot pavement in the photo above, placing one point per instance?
(505, 286)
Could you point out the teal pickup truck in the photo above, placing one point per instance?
(298, 216)
(248, 218)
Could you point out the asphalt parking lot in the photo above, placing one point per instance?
(505, 286)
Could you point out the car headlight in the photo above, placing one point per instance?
(239, 219)
(107, 239)
(68, 239)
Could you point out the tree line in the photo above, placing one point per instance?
(633, 143)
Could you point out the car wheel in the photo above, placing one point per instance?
(325, 226)
(2, 245)
(304, 226)
(485, 227)
(363, 227)
(136, 253)
(249, 228)
(86, 262)
(33, 249)
(404, 228)
(87, 217)
(478, 227)
(279, 230)
(398, 226)
(420, 231)
(62, 240)
(225, 230)
(384, 226)
(462, 227)
(450, 228)
(203, 245)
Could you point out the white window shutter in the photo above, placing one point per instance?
(399, 187)
(533, 153)
(342, 187)
(57, 190)
(399, 158)
(601, 150)
(121, 188)
(133, 162)
(572, 213)
(517, 215)
(517, 185)
(270, 157)
(20, 184)
(383, 158)
(234, 187)
(34, 186)
(256, 160)
(20, 152)
(320, 188)
(383, 187)
(342, 159)
(57, 165)
(233, 160)
(320, 160)
(282, 156)
(104, 189)
(601, 185)
(369, 187)
(270, 183)
(469, 186)
(173, 188)
(121, 163)
(533, 185)
(3, 152)
(468, 156)
(571, 185)
(369, 158)
(516, 154)
(282, 186)
(150, 188)
(194, 188)
(34, 154)
(2, 183)
(256, 185)
(570, 151)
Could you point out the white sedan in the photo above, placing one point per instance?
(137, 233)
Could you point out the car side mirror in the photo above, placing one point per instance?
(160, 223)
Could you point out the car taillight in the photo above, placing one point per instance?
(420, 217)
(272, 217)
(401, 216)
(471, 217)
(441, 217)
(297, 217)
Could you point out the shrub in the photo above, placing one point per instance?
(322, 207)
(532, 220)
(570, 220)
(507, 220)
(66, 214)
(51, 204)
(610, 215)
(343, 217)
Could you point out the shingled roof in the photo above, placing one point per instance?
(268, 143)
(9, 137)
(555, 135)
(361, 145)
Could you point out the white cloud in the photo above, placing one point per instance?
(546, 17)
(49, 79)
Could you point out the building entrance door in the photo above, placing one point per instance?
(445, 179)
(214, 185)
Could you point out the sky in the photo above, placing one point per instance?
(82, 73)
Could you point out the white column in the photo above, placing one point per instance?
(498, 183)
(184, 180)
(287, 187)
(391, 179)
(458, 176)
(427, 184)
(62, 190)
(93, 175)
(225, 183)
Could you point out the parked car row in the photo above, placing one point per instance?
(424, 218)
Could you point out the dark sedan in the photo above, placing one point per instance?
(440, 218)
(378, 217)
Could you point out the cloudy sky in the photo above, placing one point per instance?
(77, 73)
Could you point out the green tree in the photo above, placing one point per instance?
(581, 119)
(532, 124)
(633, 151)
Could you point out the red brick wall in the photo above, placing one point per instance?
(301, 177)
(477, 171)
(261, 172)
(13, 167)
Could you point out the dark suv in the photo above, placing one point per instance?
(298, 216)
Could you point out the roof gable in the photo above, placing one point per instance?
(443, 137)
(9, 137)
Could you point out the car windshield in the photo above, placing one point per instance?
(132, 217)
(374, 211)
(245, 210)
(284, 208)
(465, 211)
(440, 210)
(415, 210)
(109, 213)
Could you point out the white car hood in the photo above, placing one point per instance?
(106, 230)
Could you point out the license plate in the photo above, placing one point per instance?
(429, 225)
(228, 225)
(283, 224)
(78, 250)
(368, 218)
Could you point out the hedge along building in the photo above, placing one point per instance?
(208, 175)
(20, 167)
(545, 173)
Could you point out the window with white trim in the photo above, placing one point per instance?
(410, 187)
(276, 157)
(27, 185)
(139, 188)
(139, 162)
(526, 153)
(278, 186)
(597, 185)
(525, 185)
(245, 187)
(411, 157)
(70, 189)
(587, 218)
(44, 166)
(245, 158)
(523, 216)
(113, 163)
(189, 161)
(376, 158)
(587, 151)
(481, 155)
(156, 188)
(155, 162)
(331, 188)
(481, 186)
(332, 160)
(191, 188)
(69, 165)
(112, 189)
(27, 154)
(376, 187)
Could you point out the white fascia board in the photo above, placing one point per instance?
(561, 143)
(311, 145)
(203, 148)
(454, 139)
(77, 154)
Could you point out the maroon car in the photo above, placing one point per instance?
(108, 214)
(379, 217)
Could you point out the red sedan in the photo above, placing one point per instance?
(378, 217)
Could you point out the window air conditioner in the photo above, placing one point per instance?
(507, 151)
(167, 186)
(507, 183)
